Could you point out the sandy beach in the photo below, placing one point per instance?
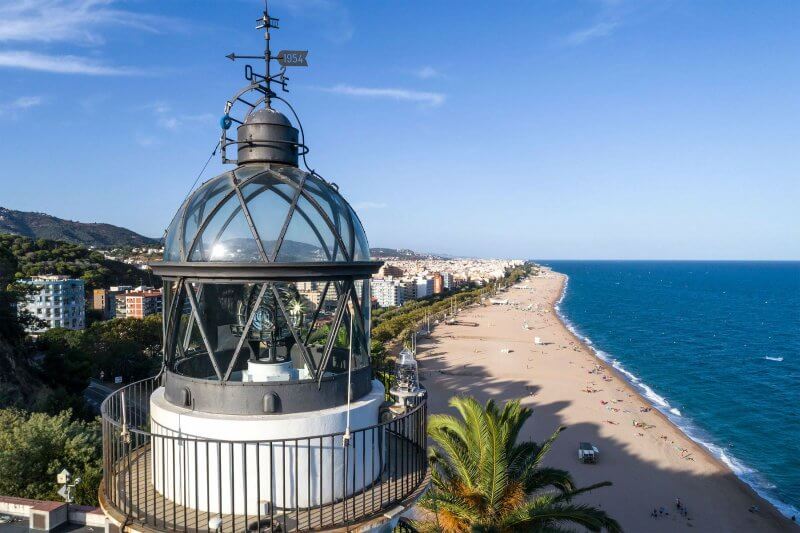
(649, 460)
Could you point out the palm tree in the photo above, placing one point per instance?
(483, 480)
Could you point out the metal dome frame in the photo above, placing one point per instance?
(184, 278)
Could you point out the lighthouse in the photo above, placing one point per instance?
(267, 414)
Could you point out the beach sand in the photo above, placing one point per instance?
(649, 466)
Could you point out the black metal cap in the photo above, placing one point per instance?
(267, 136)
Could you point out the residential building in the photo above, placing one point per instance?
(138, 303)
(312, 291)
(424, 287)
(447, 281)
(438, 283)
(59, 303)
(390, 271)
(105, 300)
(388, 292)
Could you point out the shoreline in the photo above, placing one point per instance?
(567, 383)
(628, 377)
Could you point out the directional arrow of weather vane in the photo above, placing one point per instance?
(286, 58)
(293, 58)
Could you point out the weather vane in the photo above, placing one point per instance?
(285, 58)
(260, 83)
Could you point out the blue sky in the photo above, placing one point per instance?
(547, 129)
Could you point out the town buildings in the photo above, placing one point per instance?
(388, 292)
(138, 303)
(59, 302)
(105, 300)
(401, 280)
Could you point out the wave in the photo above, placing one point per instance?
(684, 424)
(778, 359)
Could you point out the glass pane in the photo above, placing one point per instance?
(201, 204)
(345, 229)
(224, 310)
(294, 174)
(227, 237)
(187, 342)
(361, 252)
(268, 202)
(172, 247)
(360, 328)
(246, 172)
(323, 195)
(300, 300)
(342, 344)
(308, 237)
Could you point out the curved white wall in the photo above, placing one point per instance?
(202, 473)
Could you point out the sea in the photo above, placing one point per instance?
(715, 346)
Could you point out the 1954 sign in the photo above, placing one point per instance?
(293, 58)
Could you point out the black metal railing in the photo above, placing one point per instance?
(156, 477)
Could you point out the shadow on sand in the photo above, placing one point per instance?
(634, 494)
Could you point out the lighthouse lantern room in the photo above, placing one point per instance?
(267, 414)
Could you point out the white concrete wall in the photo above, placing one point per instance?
(210, 476)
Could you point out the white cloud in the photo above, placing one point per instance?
(363, 206)
(601, 29)
(427, 72)
(65, 64)
(72, 22)
(390, 93)
(75, 21)
(166, 119)
(145, 141)
(21, 103)
(24, 102)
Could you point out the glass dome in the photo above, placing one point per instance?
(257, 214)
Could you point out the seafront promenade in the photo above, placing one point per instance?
(649, 460)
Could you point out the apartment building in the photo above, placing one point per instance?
(105, 300)
(388, 292)
(138, 303)
(59, 302)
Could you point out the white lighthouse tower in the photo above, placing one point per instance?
(267, 414)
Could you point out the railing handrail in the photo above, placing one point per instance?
(106, 416)
(173, 481)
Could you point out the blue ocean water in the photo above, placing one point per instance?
(714, 345)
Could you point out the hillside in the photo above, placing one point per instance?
(43, 226)
(391, 253)
(38, 257)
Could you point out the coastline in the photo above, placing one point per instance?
(661, 404)
(567, 383)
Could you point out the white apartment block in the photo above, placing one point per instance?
(388, 292)
(59, 302)
(447, 280)
(424, 287)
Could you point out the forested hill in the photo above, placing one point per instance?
(44, 226)
(42, 256)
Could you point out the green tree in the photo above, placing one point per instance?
(126, 347)
(485, 481)
(34, 447)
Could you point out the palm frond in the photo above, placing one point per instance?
(484, 481)
(545, 447)
(494, 467)
(515, 416)
(536, 479)
(473, 414)
(567, 496)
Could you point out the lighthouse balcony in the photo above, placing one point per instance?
(159, 478)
